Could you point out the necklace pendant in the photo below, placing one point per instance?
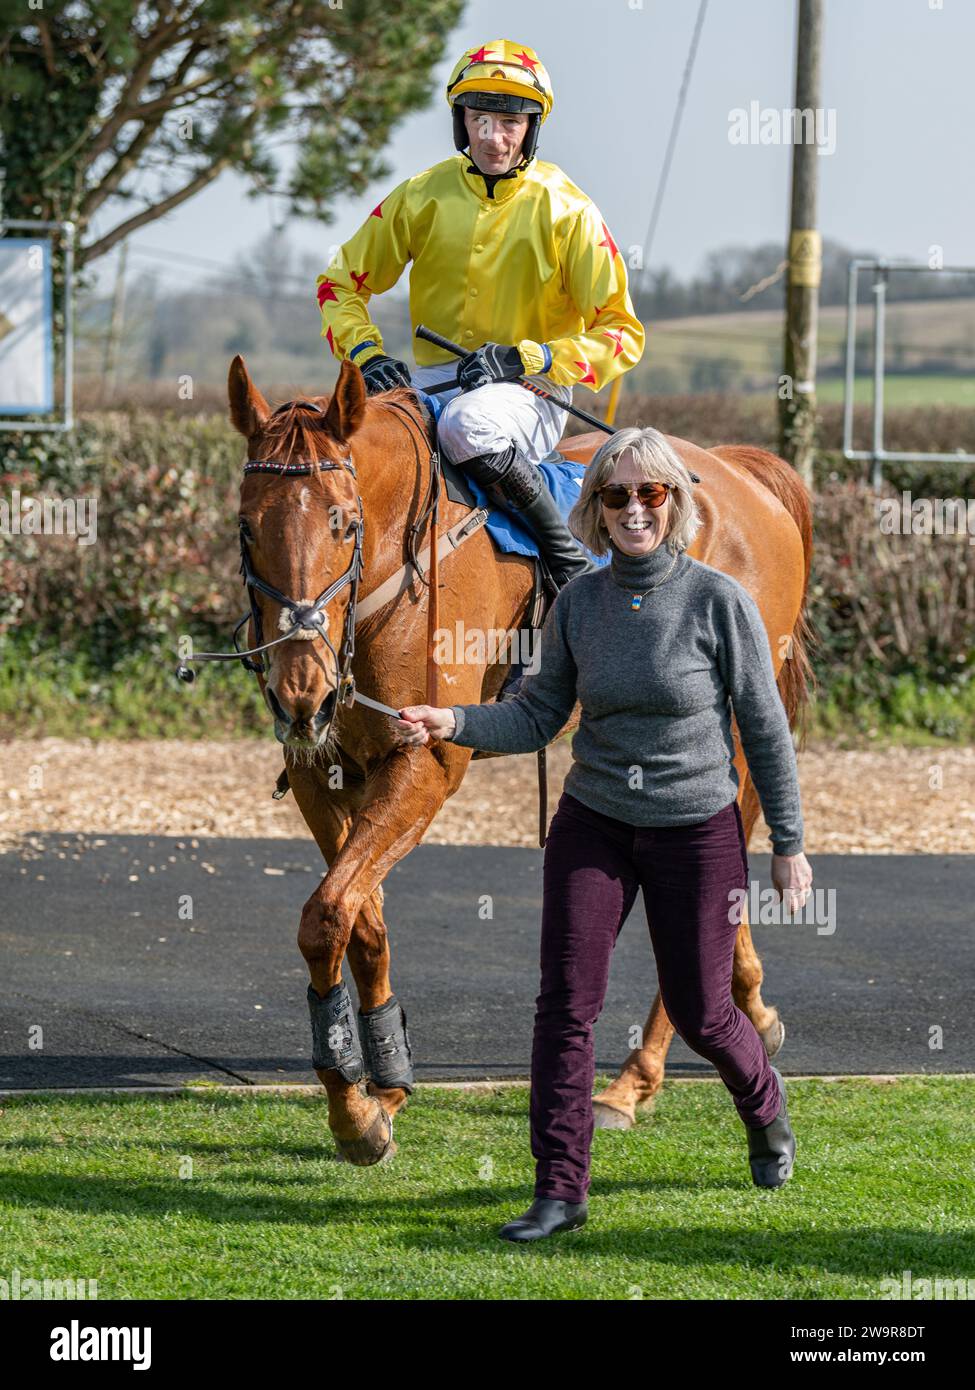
(635, 602)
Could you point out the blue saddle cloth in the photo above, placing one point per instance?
(563, 480)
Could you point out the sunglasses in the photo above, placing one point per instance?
(615, 496)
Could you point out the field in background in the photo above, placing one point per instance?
(743, 352)
(929, 342)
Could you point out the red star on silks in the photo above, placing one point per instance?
(377, 210)
(358, 279)
(596, 312)
(527, 62)
(326, 290)
(330, 341)
(480, 56)
(588, 374)
(608, 241)
(617, 335)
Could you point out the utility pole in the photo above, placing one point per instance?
(797, 392)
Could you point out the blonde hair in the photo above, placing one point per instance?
(658, 462)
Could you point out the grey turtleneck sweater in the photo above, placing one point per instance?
(654, 744)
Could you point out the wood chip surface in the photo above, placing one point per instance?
(869, 801)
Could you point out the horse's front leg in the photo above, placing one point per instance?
(329, 814)
(401, 799)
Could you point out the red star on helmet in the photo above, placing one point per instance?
(480, 56)
(617, 335)
(588, 373)
(608, 241)
(359, 279)
(527, 62)
(330, 341)
(326, 290)
(377, 210)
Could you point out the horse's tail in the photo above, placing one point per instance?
(796, 680)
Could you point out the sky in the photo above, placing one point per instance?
(897, 89)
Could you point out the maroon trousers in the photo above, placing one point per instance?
(594, 865)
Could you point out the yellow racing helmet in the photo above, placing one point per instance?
(501, 76)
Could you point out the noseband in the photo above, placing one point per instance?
(304, 617)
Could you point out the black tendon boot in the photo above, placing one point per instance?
(386, 1049)
(518, 486)
(772, 1148)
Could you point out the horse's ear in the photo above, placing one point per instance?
(249, 411)
(348, 404)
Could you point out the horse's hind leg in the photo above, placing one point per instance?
(746, 989)
(747, 975)
(642, 1074)
(640, 1077)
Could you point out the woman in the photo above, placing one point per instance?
(658, 648)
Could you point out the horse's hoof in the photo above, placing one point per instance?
(774, 1037)
(608, 1117)
(372, 1147)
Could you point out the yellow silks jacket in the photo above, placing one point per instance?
(534, 266)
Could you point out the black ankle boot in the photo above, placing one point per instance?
(772, 1149)
(544, 1217)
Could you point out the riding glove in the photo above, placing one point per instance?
(492, 362)
(384, 373)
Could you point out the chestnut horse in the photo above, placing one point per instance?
(367, 798)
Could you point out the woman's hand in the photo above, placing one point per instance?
(792, 878)
(420, 723)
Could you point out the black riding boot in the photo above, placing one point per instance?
(517, 485)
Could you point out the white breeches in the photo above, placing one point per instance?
(488, 420)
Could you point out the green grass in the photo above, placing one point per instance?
(64, 695)
(91, 1189)
(60, 695)
(912, 713)
(906, 390)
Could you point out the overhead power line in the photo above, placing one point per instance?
(672, 139)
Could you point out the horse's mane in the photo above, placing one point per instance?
(293, 431)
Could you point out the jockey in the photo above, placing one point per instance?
(510, 259)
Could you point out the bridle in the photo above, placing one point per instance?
(304, 617)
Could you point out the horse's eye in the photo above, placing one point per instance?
(244, 527)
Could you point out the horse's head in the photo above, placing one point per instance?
(299, 533)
